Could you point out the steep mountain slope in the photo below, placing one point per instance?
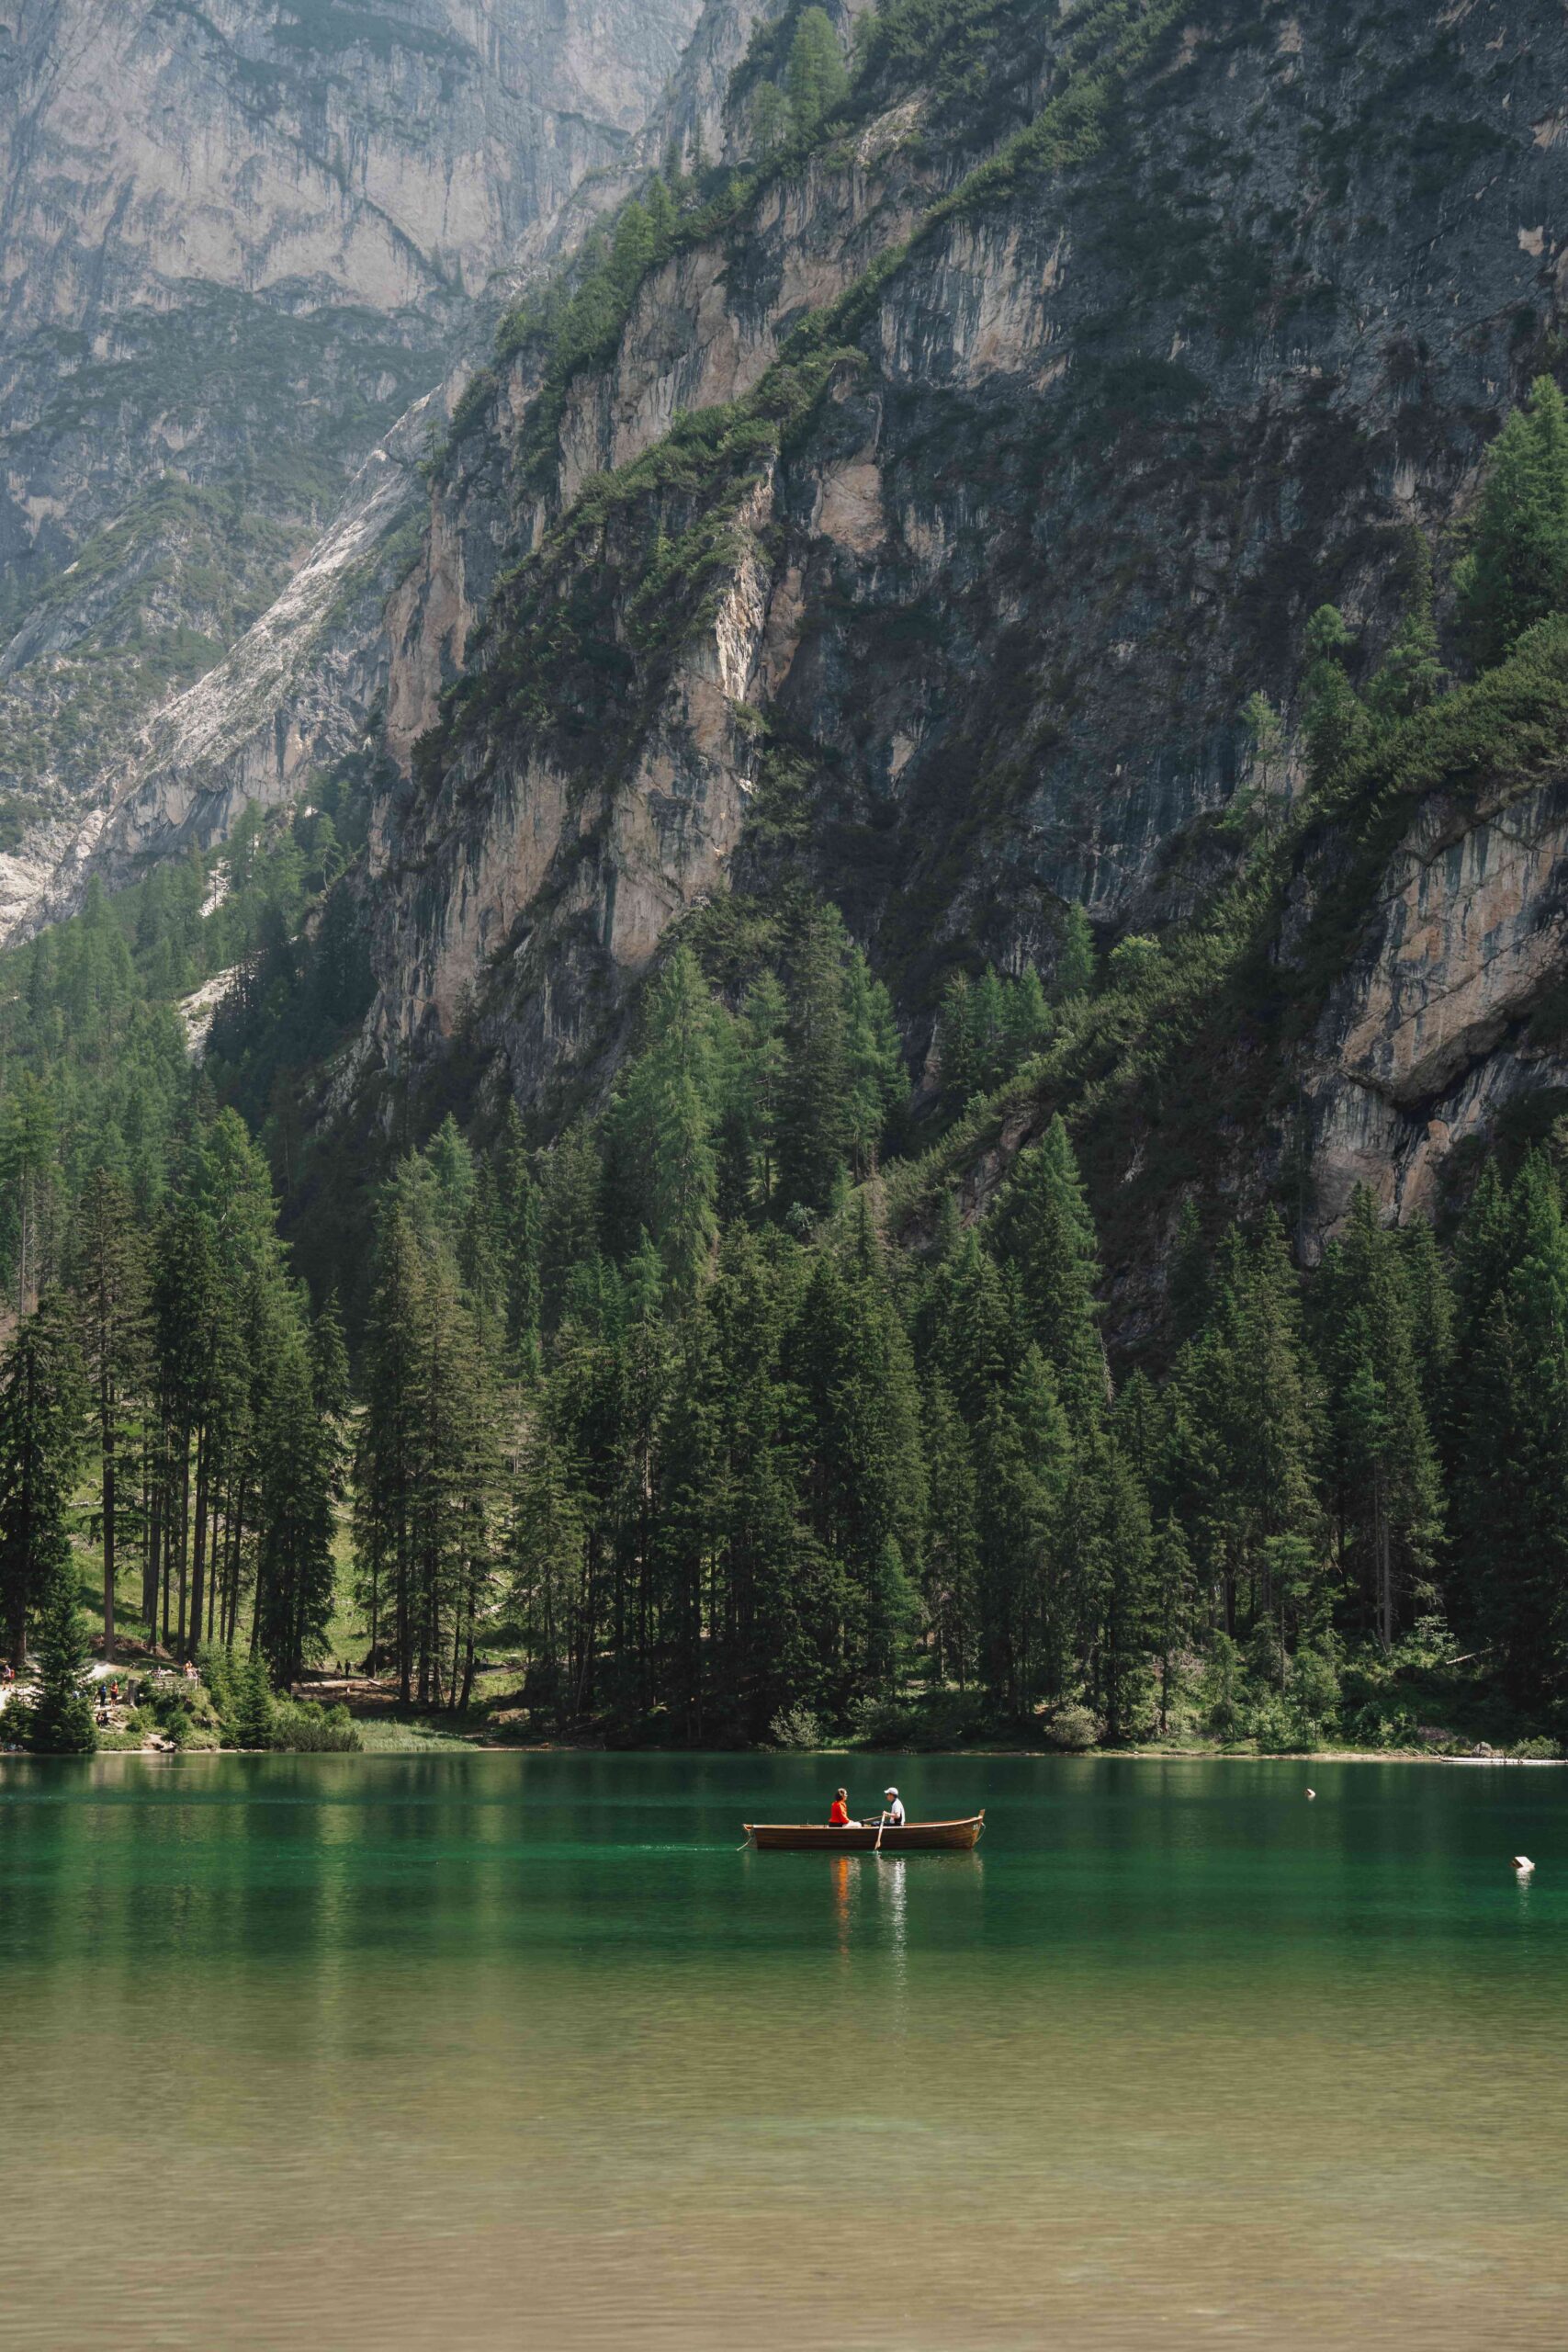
(238, 243)
(942, 497)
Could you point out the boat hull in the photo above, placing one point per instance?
(914, 1837)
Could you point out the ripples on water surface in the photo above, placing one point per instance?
(474, 2050)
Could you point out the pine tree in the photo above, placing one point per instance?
(666, 1123)
(548, 1565)
(1026, 1018)
(1333, 718)
(1410, 675)
(814, 1124)
(391, 1441)
(60, 1721)
(252, 1715)
(954, 1042)
(1076, 959)
(1385, 1462)
(1175, 1596)
(43, 1408)
(1044, 1231)
(1119, 1601)
(1186, 1292)
(1245, 1423)
(299, 1471)
(517, 1199)
(329, 1364)
(816, 80)
(110, 1281)
(29, 1143)
(1515, 572)
(662, 217)
(952, 1568)
(770, 118)
(1511, 1482)
(878, 1082)
(569, 1216)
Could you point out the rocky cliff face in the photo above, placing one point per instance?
(238, 243)
(936, 514)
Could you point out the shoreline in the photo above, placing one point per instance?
(954, 1755)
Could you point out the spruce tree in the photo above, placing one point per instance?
(391, 1451)
(954, 1042)
(549, 1566)
(1511, 1479)
(878, 1082)
(568, 1216)
(951, 1562)
(1515, 572)
(1174, 1594)
(813, 1110)
(1119, 1602)
(1043, 1230)
(816, 80)
(1026, 1018)
(43, 1410)
(1385, 1463)
(1073, 976)
(252, 1715)
(1333, 718)
(109, 1277)
(60, 1721)
(298, 1470)
(666, 1122)
(1410, 674)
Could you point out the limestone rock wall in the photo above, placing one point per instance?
(1112, 433)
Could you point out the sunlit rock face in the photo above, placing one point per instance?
(238, 242)
(971, 643)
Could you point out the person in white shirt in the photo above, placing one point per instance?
(892, 1809)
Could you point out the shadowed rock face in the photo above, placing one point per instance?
(238, 242)
(970, 637)
(1100, 443)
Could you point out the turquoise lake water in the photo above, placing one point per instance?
(483, 2050)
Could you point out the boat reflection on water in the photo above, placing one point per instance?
(853, 1878)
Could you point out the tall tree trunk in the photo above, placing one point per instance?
(183, 1537)
(198, 1549)
(106, 1435)
(151, 1521)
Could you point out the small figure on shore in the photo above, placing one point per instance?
(839, 1818)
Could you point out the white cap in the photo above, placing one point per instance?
(890, 1793)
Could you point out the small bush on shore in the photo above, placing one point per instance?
(309, 1730)
(796, 1727)
(1071, 1728)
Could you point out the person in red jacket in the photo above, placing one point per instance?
(838, 1818)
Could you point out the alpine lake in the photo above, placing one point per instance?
(521, 2050)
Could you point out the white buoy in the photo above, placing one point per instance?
(1523, 1864)
(1311, 1794)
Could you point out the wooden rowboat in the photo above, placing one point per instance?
(914, 1837)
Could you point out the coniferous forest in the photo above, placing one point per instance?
(716, 1409)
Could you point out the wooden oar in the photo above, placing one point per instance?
(880, 1828)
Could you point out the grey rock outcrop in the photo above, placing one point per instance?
(238, 244)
